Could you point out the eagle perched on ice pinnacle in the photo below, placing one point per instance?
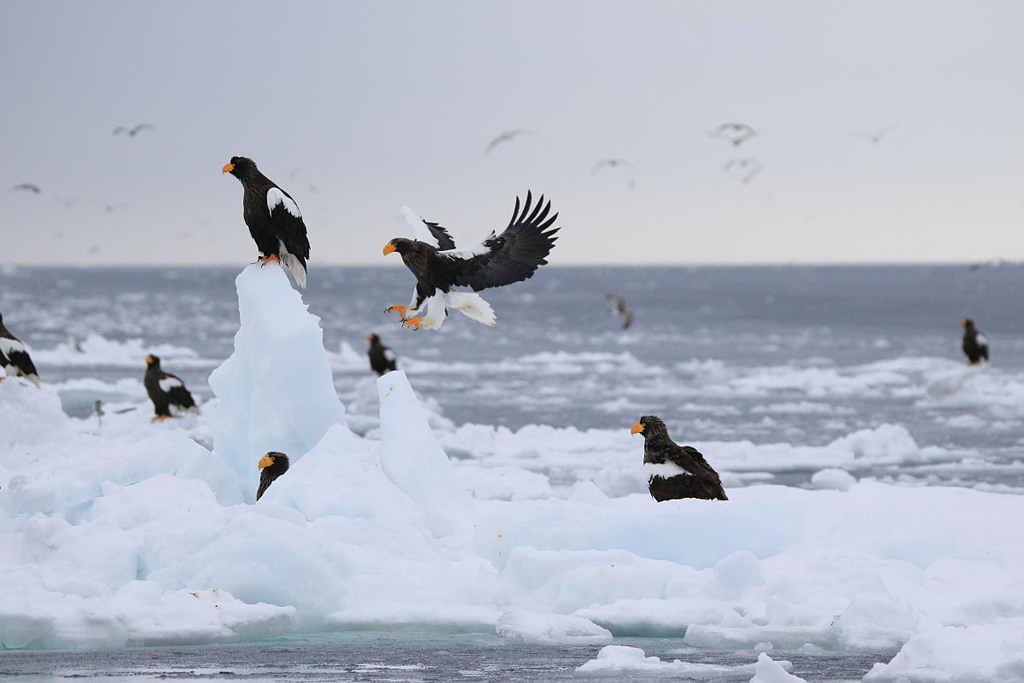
(499, 260)
(273, 217)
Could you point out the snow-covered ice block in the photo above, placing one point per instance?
(413, 459)
(536, 627)
(276, 391)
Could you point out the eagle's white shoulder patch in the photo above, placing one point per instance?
(9, 346)
(275, 196)
(663, 469)
(168, 383)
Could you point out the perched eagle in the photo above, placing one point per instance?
(975, 343)
(272, 465)
(499, 260)
(14, 359)
(273, 217)
(675, 471)
(166, 391)
(382, 358)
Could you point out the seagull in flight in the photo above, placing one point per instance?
(507, 136)
(27, 187)
(132, 132)
(876, 137)
(743, 170)
(619, 309)
(735, 133)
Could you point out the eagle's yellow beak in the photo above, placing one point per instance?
(963, 323)
(388, 248)
(228, 168)
(149, 360)
(266, 461)
(637, 429)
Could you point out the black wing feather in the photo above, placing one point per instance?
(290, 230)
(444, 239)
(512, 256)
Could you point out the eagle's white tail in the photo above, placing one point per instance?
(293, 264)
(472, 305)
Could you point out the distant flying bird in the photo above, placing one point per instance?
(743, 170)
(507, 136)
(111, 208)
(166, 391)
(14, 358)
(619, 309)
(609, 163)
(273, 217)
(499, 260)
(26, 187)
(382, 358)
(877, 136)
(134, 130)
(734, 133)
(975, 344)
(272, 465)
(675, 471)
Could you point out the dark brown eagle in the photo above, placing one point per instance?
(273, 217)
(166, 391)
(272, 465)
(14, 358)
(675, 471)
(501, 259)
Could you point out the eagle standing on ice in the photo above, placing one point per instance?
(675, 471)
(273, 217)
(272, 465)
(975, 344)
(14, 358)
(382, 358)
(166, 391)
(499, 260)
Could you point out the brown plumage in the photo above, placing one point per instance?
(675, 471)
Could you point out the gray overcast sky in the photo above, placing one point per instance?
(357, 108)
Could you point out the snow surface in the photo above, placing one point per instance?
(126, 532)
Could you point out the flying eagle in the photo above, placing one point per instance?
(272, 465)
(975, 343)
(273, 217)
(166, 391)
(675, 471)
(14, 358)
(499, 260)
(382, 358)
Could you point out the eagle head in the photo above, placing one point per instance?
(400, 244)
(240, 167)
(153, 360)
(650, 426)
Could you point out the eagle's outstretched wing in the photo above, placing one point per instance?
(512, 256)
(425, 231)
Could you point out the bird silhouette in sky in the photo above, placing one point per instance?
(133, 131)
(876, 137)
(26, 187)
(743, 170)
(734, 133)
(507, 136)
(613, 164)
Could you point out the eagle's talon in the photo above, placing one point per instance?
(264, 260)
(397, 309)
(412, 322)
(160, 418)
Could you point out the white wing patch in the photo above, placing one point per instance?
(275, 197)
(420, 231)
(982, 339)
(465, 254)
(389, 355)
(9, 346)
(168, 383)
(664, 469)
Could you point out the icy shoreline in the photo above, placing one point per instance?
(128, 533)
